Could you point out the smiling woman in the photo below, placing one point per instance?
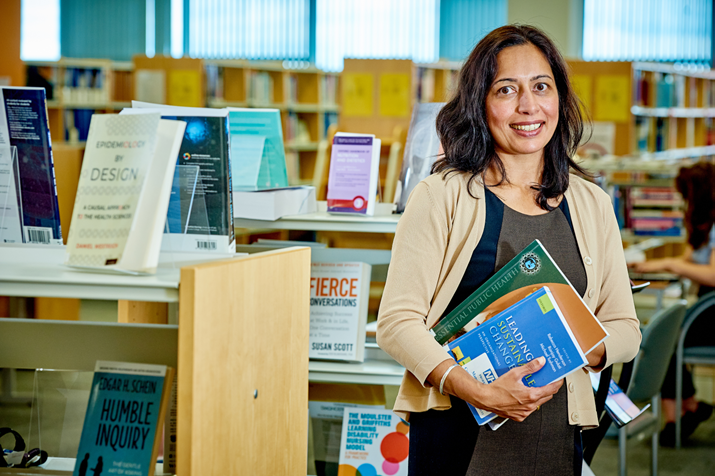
(508, 136)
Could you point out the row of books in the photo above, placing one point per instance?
(648, 211)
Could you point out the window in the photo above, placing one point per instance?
(647, 30)
(399, 29)
(40, 30)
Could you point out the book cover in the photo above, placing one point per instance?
(24, 124)
(121, 430)
(531, 328)
(257, 151)
(421, 151)
(208, 224)
(531, 268)
(353, 175)
(339, 294)
(373, 442)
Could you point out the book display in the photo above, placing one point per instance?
(122, 425)
(123, 192)
(204, 198)
(28, 195)
(338, 310)
(354, 173)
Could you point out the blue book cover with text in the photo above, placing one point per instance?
(531, 328)
(120, 426)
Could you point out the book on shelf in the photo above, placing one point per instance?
(620, 408)
(339, 294)
(373, 442)
(258, 158)
(531, 268)
(122, 433)
(201, 205)
(276, 203)
(353, 174)
(421, 149)
(123, 192)
(29, 211)
(531, 328)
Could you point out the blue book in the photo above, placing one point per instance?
(121, 429)
(531, 328)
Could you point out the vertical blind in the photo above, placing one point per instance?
(464, 22)
(252, 29)
(647, 30)
(399, 29)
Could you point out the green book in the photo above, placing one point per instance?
(530, 270)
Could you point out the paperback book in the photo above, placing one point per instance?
(29, 211)
(354, 173)
(121, 433)
(421, 151)
(531, 328)
(207, 211)
(273, 204)
(373, 442)
(339, 294)
(123, 193)
(531, 268)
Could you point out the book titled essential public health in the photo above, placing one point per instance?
(339, 294)
(373, 442)
(200, 215)
(122, 431)
(533, 327)
(29, 211)
(123, 193)
(353, 175)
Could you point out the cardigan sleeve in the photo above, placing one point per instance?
(418, 252)
(615, 308)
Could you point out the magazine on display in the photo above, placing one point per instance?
(123, 193)
(29, 211)
(121, 433)
(531, 328)
(339, 294)
(354, 173)
(202, 185)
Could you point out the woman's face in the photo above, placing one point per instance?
(523, 103)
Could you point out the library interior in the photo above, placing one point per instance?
(219, 312)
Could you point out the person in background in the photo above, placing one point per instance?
(504, 180)
(697, 186)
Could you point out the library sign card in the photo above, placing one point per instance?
(373, 443)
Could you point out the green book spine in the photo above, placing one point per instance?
(532, 266)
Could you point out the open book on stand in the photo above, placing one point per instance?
(533, 327)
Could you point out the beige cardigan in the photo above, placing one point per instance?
(434, 241)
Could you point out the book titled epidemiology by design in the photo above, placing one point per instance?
(120, 434)
(531, 328)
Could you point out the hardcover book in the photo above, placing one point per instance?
(121, 431)
(339, 294)
(421, 151)
(123, 193)
(531, 328)
(373, 442)
(29, 203)
(207, 218)
(353, 175)
(532, 268)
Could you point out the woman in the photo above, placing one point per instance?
(697, 186)
(503, 181)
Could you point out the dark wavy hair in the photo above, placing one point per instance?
(462, 123)
(697, 186)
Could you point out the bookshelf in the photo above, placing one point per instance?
(224, 330)
(436, 82)
(307, 99)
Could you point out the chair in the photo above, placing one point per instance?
(649, 369)
(690, 355)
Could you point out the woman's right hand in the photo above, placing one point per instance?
(507, 396)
